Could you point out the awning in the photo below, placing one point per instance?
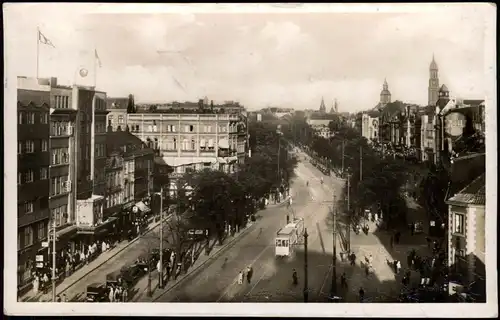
(176, 161)
(96, 229)
(66, 231)
(141, 206)
(223, 143)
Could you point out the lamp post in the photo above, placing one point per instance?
(150, 292)
(333, 289)
(160, 273)
(306, 289)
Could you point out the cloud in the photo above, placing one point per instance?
(258, 59)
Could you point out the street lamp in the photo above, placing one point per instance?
(306, 289)
(160, 272)
(333, 289)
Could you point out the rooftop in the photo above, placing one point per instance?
(474, 193)
(126, 143)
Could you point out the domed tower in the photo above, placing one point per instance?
(385, 94)
(433, 93)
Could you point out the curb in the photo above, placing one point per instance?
(110, 257)
(215, 255)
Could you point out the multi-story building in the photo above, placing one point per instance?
(117, 113)
(33, 108)
(127, 177)
(428, 134)
(369, 125)
(192, 138)
(466, 234)
(90, 146)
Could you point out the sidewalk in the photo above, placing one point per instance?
(139, 293)
(83, 271)
(140, 290)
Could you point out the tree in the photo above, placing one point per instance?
(213, 199)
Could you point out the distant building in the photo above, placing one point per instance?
(192, 136)
(117, 113)
(370, 126)
(433, 90)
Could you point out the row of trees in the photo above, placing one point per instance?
(215, 201)
(376, 181)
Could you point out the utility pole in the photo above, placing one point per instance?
(343, 148)
(306, 289)
(53, 259)
(333, 289)
(149, 183)
(279, 149)
(348, 214)
(160, 282)
(360, 163)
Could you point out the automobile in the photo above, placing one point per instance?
(96, 292)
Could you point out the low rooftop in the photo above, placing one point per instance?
(473, 194)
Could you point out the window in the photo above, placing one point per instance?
(120, 119)
(175, 144)
(43, 118)
(137, 128)
(28, 207)
(29, 146)
(28, 236)
(44, 173)
(19, 147)
(21, 117)
(458, 223)
(42, 231)
(193, 144)
(31, 118)
(58, 185)
(45, 145)
(150, 128)
(61, 156)
(28, 176)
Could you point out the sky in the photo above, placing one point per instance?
(267, 57)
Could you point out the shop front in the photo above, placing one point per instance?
(141, 213)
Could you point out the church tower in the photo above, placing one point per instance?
(385, 94)
(336, 106)
(433, 93)
(322, 107)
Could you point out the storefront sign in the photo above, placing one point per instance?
(39, 258)
(135, 209)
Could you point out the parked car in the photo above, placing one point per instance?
(96, 292)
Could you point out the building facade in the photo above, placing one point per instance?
(33, 161)
(370, 126)
(467, 235)
(192, 139)
(117, 113)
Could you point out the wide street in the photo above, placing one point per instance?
(272, 279)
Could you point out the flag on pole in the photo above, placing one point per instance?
(97, 58)
(44, 40)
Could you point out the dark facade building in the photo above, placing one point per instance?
(33, 109)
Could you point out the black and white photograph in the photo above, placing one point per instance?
(250, 159)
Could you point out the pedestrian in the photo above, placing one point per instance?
(240, 277)
(68, 268)
(398, 266)
(353, 259)
(118, 294)
(249, 274)
(367, 270)
(111, 294)
(343, 281)
(103, 246)
(361, 295)
(294, 277)
(428, 242)
(397, 236)
(58, 299)
(125, 293)
(36, 285)
(395, 266)
(64, 298)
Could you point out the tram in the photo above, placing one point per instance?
(288, 236)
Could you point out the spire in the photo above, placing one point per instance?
(336, 106)
(385, 86)
(433, 65)
(322, 107)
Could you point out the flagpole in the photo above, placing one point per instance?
(37, 49)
